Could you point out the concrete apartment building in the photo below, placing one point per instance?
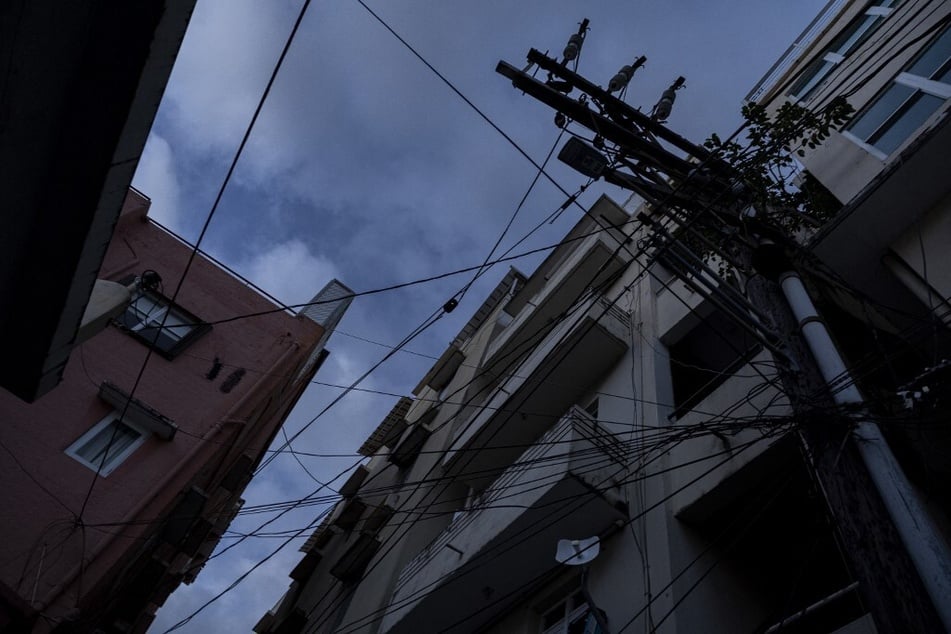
(559, 412)
(116, 486)
(604, 396)
(888, 167)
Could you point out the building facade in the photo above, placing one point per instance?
(119, 483)
(576, 403)
(68, 157)
(608, 396)
(892, 61)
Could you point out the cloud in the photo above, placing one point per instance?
(366, 167)
(235, 611)
(156, 178)
(289, 271)
(222, 68)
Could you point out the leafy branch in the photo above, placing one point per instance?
(767, 161)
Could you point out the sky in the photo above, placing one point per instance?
(365, 166)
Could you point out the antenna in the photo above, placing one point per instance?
(581, 552)
(577, 552)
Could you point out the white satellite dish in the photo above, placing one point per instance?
(577, 552)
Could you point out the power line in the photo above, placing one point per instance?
(242, 577)
(428, 322)
(297, 534)
(728, 530)
(415, 282)
(665, 617)
(194, 251)
(388, 27)
(377, 474)
(513, 541)
(365, 573)
(468, 102)
(511, 220)
(646, 443)
(326, 611)
(515, 353)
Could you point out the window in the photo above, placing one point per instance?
(592, 408)
(852, 37)
(91, 448)
(570, 616)
(143, 319)
(473, 502)
(706, 357)
(908, 101)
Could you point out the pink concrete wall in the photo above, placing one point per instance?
(33, 525)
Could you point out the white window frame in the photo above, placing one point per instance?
(836, 57)
(145, 313)
(73, 451)
(569, 615)
(918, 83)
(154, 314)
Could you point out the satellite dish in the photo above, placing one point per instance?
(577, 552)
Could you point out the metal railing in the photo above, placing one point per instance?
(575, 419)
(792, 53)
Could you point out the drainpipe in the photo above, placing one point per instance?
(924, 544)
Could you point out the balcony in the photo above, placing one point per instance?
(561, 487)
(596, 258)
(718, 465)
(903, 209)
(551, 379)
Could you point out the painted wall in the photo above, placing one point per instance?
(45, 490)
(654, 556)
(842, 164)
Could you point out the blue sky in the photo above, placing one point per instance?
(366, 167)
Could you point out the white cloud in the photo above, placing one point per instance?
(155, 177)
(398, 179)
(289, 271)
(235, 610)
(221, 70)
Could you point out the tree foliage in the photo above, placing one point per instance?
(767, 161)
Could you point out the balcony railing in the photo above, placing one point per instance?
(778, 69)
(547, 382)
(596, 259)
(527, 508)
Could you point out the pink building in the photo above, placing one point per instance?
(102, 518)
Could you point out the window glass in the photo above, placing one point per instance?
(907, 103)
(811, 78)
(569, 615)
(934, 58)
(106, 445)
(147, 313)
(880, 111)
(553, 617)
(916, 112)
(144, 317)
(94, 449)
(707, 356)
(843, 45)
(592, 408)
(855, 34)
(944, 75)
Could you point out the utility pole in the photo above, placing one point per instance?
(703, 189)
